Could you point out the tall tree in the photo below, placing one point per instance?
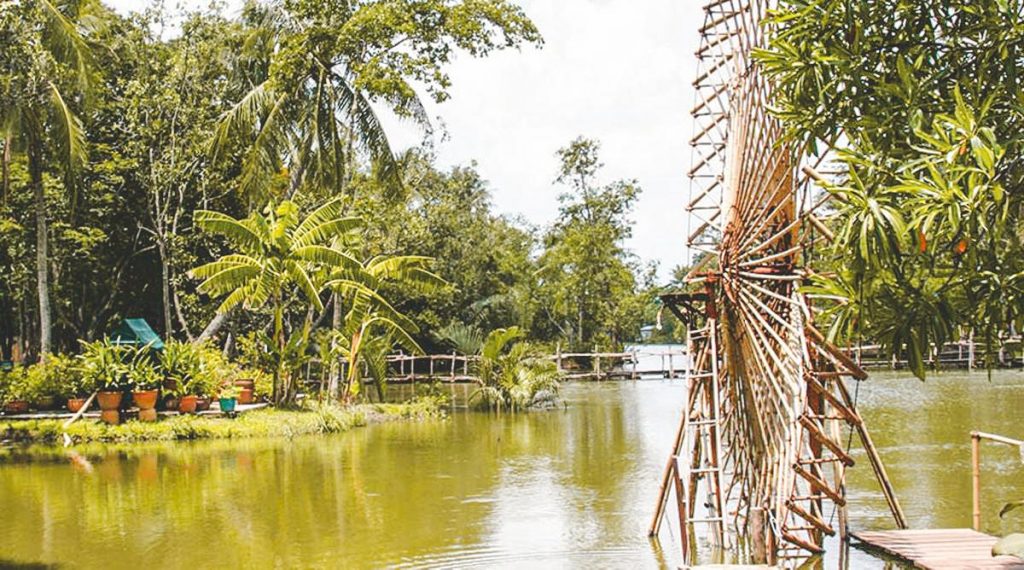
(45, 63)
(585, 270)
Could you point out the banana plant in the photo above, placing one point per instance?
(372, 326)
(279, 259)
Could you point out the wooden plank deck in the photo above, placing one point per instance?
(940, 549)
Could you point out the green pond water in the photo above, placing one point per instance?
(572, 488)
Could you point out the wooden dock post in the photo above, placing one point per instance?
(970, 351)
(976, 480)
(453, 365)
(597, 365)
(671, 367)
(558, 357)
(633, 375)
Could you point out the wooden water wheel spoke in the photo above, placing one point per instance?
(770, 414)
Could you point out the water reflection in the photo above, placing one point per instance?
(564, 489)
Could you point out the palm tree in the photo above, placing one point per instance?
(276, 253)
(372, 326)
(511, 372)
(307, 118)
(48, 58)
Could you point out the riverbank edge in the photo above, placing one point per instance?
(315, 419)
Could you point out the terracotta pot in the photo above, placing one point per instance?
(145, 400)
(112, 417)
(202, 404)
(109, 401)
(75, 404)
(246, 384)
(16, 407)
(187, 405)
(46, 404)
(245, 396)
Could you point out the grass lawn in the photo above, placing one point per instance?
(314, 418)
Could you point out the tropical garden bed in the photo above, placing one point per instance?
(312, 419)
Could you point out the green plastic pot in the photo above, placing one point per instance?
(227, 404)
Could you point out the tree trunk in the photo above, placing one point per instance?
(214, 326)
(6, 162)
(332, 383)
(35, 167)
(165, 286)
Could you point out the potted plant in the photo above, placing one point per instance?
(54, 381)
(228, 398)
(103, 366)
(15, 391)
(144, 379)
(75, 387)
(184, 366)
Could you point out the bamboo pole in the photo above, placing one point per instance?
(976, 481)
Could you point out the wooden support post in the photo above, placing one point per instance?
(597, 366)
(684, 536)
(671, 367)
(633, 376)
(976, 480)
(453, 365)
(756, 526)
(431, 367)
(970, 351)
(558, 357)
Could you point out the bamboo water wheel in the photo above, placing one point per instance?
(760, 458)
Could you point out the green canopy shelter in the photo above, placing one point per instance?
(136, 332)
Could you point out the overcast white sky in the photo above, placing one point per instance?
(615, 70)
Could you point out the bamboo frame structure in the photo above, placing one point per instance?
(760, 445)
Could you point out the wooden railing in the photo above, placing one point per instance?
(457, 368)
(976, 439)
(964, 353)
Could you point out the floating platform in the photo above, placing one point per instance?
(940, 549)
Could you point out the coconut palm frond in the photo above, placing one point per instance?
(242, 117)
(66, 42)
(71, 134)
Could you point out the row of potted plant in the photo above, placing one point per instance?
(187, 376)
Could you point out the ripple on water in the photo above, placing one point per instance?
(490, 557)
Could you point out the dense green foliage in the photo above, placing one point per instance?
(513, 375)
(121, 142)
(923, 99)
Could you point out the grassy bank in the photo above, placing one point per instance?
(313, 419)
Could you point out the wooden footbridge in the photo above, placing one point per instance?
(946, 549)
(454, 368)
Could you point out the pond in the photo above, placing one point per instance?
(571, 488)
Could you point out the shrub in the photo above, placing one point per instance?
(15, 385)
(103, 365)
(198, 369)
(141, 374)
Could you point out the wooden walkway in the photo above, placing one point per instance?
(940, 549)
